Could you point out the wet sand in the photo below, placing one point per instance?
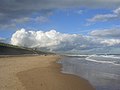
(37, 73)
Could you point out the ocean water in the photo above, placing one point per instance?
(102, 71)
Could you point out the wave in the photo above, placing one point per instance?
(89, 59)
(77, 55)
(95, 55)
(110, 56)
(114, 60)
(111, 59)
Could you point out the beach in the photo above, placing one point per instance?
(37, 73)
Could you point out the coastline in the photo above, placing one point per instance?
(38, 73)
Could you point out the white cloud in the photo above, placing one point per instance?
(56, 41)
(102, 18)
(51, 39)
(107, 37)
(105, 17)
(22, 20)
(117, 11)
(111, 33)
(111, 42)
(12, 25)
(40, 19)
(80, 11)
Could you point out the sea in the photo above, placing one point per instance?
(102, 71)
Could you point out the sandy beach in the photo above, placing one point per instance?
(37, 73)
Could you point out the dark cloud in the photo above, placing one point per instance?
(15, 9)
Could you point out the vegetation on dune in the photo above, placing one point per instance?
(8, 49)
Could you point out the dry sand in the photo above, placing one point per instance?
(37, 73)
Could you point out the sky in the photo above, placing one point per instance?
(82, 26)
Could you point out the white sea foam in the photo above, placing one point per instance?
(110, 56)
(112, 59)
(89, 58)
(77, 55)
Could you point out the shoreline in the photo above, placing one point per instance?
(41, 73)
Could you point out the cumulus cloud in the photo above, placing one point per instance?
(56, 41)
(105, 17)
(16, 9)
(50, 39)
